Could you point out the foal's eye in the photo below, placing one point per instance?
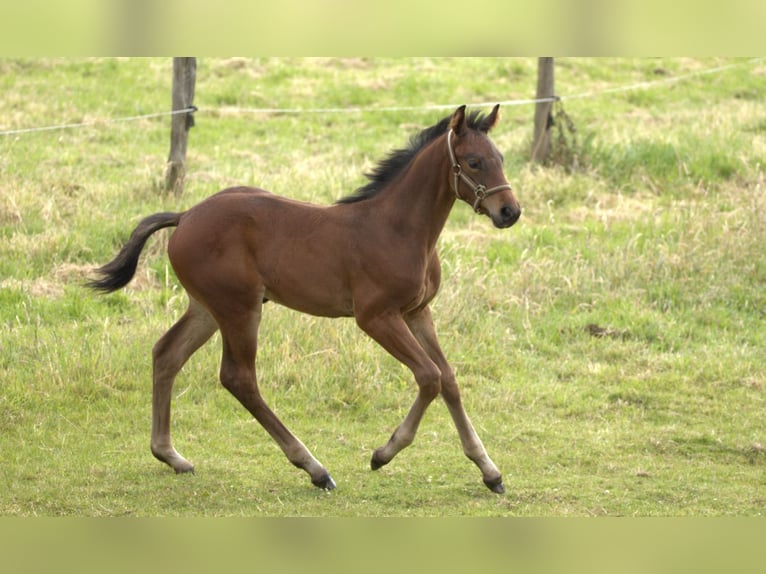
(474, 163)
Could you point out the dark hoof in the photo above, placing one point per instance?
(496, 485)
(325, 483)
(185, 470)
(376, 462)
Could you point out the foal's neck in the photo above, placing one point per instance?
(418, 203)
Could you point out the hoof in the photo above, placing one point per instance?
(496, 485)
(376, 462)
(325, 483)
(169, 456)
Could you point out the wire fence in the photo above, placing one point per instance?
(388, 109)
(96, 122)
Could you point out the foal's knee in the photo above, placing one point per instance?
(430, 383)
(236, 380)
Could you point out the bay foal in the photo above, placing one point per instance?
(371, 255)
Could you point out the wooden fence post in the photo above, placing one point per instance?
(541, 142)
(184, 76)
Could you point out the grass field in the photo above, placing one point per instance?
(610, 347)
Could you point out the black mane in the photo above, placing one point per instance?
(387, 170)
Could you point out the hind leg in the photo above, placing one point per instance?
(170, 353)
(240, 335)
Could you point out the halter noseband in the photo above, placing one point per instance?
(479, 190)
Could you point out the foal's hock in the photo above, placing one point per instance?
(371, 256)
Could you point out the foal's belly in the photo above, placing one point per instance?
(319, 304)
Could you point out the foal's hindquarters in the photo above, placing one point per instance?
(226, 292)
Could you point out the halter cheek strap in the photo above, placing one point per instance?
(479, 190)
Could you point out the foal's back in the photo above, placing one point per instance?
(250, 244)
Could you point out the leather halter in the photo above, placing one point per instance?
(479, 190)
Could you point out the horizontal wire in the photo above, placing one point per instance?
(374, 109)
(96, 122)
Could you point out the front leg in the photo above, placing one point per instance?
(422, 327)
(392, 333)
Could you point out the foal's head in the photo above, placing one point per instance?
(477, 168)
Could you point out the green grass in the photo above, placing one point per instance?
(610, 347)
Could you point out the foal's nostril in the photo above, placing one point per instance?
(510, 214)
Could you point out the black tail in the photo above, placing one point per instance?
(118, 272)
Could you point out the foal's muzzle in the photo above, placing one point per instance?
(506, 216)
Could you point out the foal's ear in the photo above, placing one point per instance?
(457, 122)
(489, 122)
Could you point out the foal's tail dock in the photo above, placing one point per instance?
(120, 270)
